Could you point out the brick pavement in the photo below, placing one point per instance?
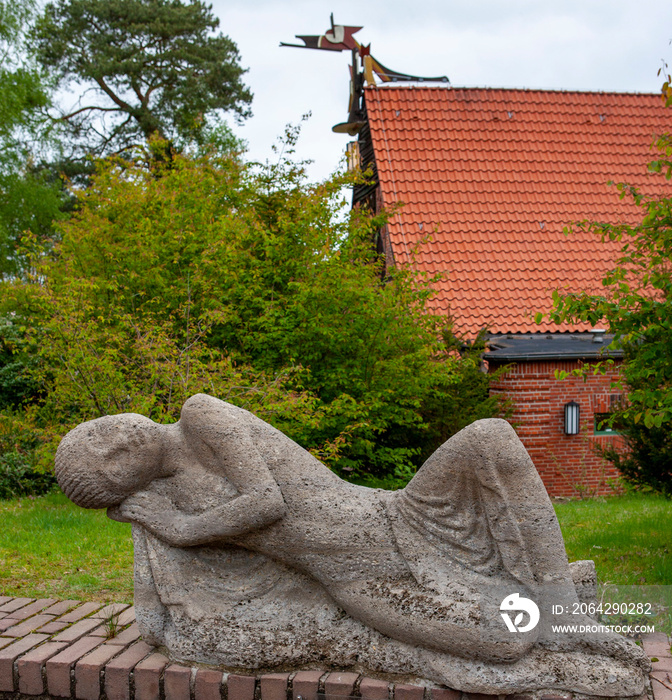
(59, 649)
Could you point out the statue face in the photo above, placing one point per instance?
(133, 460)
(101, 462)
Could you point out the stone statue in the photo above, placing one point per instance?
(250, 553)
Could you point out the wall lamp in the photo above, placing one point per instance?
(572, 415)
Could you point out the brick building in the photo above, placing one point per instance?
(488, 178)
(567, 464)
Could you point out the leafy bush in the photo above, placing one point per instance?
(18, 478)
(18, 473)
(204, 274)
(16, 360)
(646, 463)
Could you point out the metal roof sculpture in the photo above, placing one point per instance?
(363, 70)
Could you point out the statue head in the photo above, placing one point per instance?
(101, 462)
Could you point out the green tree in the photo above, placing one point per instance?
(30, 196)
(17, 358)
(247, 284)
(144, 69)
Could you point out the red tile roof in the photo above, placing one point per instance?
(494, 175)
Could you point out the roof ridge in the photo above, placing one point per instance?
(453, 88)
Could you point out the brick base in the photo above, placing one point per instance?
(80, 662)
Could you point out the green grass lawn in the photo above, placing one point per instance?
(628, 537)
(51, 548)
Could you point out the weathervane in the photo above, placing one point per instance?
(364, 67)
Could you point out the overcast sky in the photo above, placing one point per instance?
(607, 45)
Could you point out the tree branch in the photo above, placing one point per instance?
(84, 109)
(125, 107)
(115, 132)
(138, 94)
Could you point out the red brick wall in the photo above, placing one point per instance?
(567, 464)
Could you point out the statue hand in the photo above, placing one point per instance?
(114, 513)
(156, 513)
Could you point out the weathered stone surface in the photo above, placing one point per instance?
(249, 553)
(584, 577)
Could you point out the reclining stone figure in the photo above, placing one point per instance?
(408, 581)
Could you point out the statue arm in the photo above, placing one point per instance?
(225, 447)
